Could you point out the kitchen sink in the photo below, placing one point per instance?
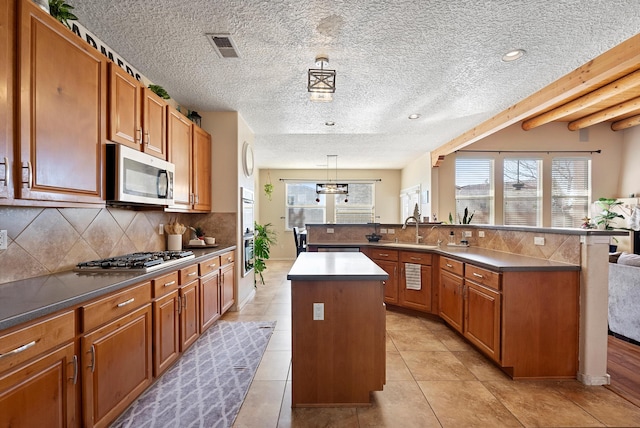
(408, 245)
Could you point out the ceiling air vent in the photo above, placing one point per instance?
(224, 46)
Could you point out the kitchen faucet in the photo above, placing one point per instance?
(404, 226)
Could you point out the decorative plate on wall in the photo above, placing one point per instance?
(247, 159)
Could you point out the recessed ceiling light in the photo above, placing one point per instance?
(414, 116)
(513, 55)
(329, 123)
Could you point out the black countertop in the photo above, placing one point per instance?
(335, 267)
(28, 299)
(482, 257)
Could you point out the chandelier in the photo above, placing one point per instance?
(332, 187)
(321, 83)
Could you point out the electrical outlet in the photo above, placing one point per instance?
(161, 229)
(468, 234)
(383, 230)
(538, 240)
(318, 311)
(329, 230)
(391, 231)
(3, 240)
(481, 234)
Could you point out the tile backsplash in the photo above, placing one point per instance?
(46, 240)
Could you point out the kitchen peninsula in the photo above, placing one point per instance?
(338, 329)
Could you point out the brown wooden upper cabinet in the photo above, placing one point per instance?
(62, 105)
(137, 116)
(189, 149)
(7, 58)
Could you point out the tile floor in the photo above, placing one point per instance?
(434, 379)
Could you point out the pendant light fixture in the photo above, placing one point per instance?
(518, 185)
(332, 187)
(321, 83)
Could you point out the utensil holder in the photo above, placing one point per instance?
(174, 242)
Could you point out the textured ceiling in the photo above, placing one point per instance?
(441, 59)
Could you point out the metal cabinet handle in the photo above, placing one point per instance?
(229, 259)
(29, 179)
(196, 199)
(212, 265)
(478, 275)
(416, 258)
(139, 139)
(395, 270)
(19, 349)
(93, 358)
(148, 140)
(383, 255)
(179, 305)
(184, 302)
(126, 302)
(169, 283)
(192, 273)
(74, 379)
(449, 265)
(5, 180)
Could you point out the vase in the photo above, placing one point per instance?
(174, 242)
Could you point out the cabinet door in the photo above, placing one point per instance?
(201, 169)
(62, 112)
(482, 319)
(117, 366)
(154, 124)
(189, 315)
(227, 277)
(124, 108)
(209, 300)
(7, 58)
(166, 337)
(416, 299)
(391, 284)
(42, 393)
(451, 304)
(180, 154)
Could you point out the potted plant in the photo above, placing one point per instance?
(263, 239)
(62, 11)
(606, 217)
(268, 187)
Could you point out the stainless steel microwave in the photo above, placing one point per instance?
(136, 178)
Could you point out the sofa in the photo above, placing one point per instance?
(624, 296)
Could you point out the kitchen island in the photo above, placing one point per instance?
(338, 329)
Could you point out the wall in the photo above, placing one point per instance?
(47, 240)
(630, 165)
(418, 172)
(273, 211)
(553, 136)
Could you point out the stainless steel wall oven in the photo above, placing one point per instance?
(247, 231)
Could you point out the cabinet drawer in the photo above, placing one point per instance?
(188, 274)
(482, 276)
(415, 257)
(454, 266)
(209, 266)
(228, 257)
(383, 254)
(115, 305)
(35, 339)
(164, 284)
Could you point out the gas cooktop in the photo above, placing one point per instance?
(135, 262)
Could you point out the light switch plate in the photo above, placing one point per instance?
(318, 311)
(538, 240)
(330, 230)
(468, 234)
(3, 240)
(383, 230)
(391, 231)
(161, 229)
(481, 234)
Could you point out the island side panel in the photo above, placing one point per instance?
(337, 361)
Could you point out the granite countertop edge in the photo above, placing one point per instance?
(482, 257)
(335, 267)
(28, 299)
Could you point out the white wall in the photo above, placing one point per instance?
(418, 173)
(630, 165)
(387, 200)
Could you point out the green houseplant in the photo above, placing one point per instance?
(62, 11)
(263, 239)
(607, 216)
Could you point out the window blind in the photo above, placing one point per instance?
(570, 191)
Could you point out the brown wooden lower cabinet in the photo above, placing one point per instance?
(451, 302)
(421, 298)
(482, 319)
(209, 300)
(227, 279)
(189, 314)
(117, 366)
(166, 332)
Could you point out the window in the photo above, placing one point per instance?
(409, 198)
(570, 191)
(302, 207)
(360, 205)
(522, 192)
(474, 189)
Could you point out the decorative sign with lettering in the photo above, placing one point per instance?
(97, 44)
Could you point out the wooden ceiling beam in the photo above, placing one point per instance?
(612, 89)
(606, 114)
(626, 123)
(620, 60)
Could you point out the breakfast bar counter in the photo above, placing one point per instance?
(338, 329)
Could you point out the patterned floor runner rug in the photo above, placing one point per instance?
(207, 386)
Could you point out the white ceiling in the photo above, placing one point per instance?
(439, 58)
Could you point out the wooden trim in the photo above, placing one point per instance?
(626, 123)
(606, 114)
(616, 62)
